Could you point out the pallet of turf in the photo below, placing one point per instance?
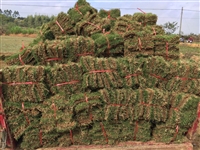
(108, 45)
(99, 73)
(64, 78)
(24, 83)
(145, 18)
(138, 44)
(182, 114)
(185, 77)
(151, 105)
(167, 46)
(21, 116)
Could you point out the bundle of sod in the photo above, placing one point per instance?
(108, 44)
(24, 83)
(151, 105)
(125, 23)
(118, 104)
(156, 71)
(169, 133)
(134, 105)
(57, 115)
(64, 78)
(182, 114)
(100, 73)
(62, 51)
(185, 77)
(155, 29)
(81, 10)
(107, 133)
(130, 70)
(111, 14)
(20, 116)
(86, 107)
(167, 46)
(27, 56)
(138, 43)
(77, 47)
(52, 52)
(62, 25)
(91, 25)
(145, 19)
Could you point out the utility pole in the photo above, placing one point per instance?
(181, 21)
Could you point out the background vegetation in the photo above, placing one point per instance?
(12, 23)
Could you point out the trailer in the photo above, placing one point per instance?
(6, 139)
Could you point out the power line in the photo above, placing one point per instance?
(98, 7)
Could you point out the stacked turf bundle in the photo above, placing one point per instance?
(87, 92)
(99, 73)
(138, 43)
(145, 18)
(167, 46)
(24, 83)
(66, 78)
(62, 25)
(185, 77)
(182, 114)
(108, 44)
(85, 31)
(125, 23)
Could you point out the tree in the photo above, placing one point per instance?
(15, 14)
(170, 27)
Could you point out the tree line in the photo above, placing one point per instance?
(12, 19)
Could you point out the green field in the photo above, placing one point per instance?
(12, 44)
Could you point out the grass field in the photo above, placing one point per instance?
(12, 44)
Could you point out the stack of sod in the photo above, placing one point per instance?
(60, 26)
(125, 23)
(155, 29)
(167, 46)
(27, 56)
(138, 43)
(56, 114)
(21, 116)
(134, 105)
(150, 19)
(24, 84)
(151, 105)
(130, 70)
(182, 114)
(77, 47)
(185, 77)
(111, 14)
(145, 19)
(155, 71)
(55, 51)
(68, 49)
(64, 78)
(91, 25)
(81, 10)
(108, 44)
(118, 104)
(86, 107)
(100, 73)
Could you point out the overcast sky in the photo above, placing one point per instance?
(166, 10)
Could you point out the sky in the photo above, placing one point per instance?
(166, 10)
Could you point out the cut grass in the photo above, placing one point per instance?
(188, 51)
(12, 44)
